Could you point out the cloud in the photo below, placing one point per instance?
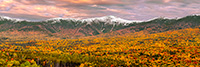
(171, 1)
(39, 10)
(102, 2)
(127, 9)
(71, 2)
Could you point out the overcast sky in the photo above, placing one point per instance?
(80, 9)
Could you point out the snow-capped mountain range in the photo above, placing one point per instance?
(70, 27)
(107, 19)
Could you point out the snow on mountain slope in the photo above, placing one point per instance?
(58, 19)
(12, 19)
(106, 19)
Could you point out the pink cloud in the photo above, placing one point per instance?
(128, 9)
(166, 1)
(92, 1)
(39, 10)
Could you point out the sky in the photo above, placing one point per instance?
(82, 9)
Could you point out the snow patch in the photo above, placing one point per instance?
(12, 19)
(108, 19)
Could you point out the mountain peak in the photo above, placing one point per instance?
(9, 18)
(58, 19)
(108, 19)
